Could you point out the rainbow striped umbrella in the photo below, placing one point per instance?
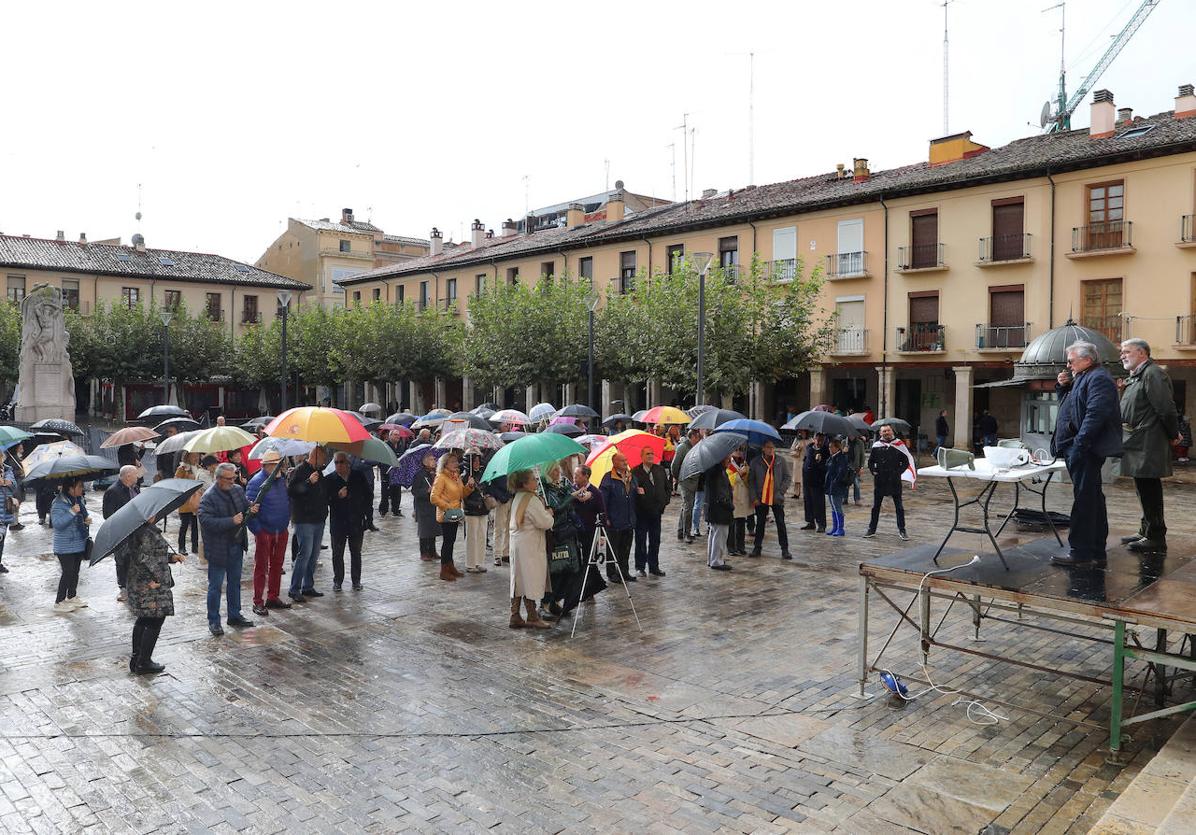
(318, 424)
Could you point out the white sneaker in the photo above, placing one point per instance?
(122, 597)
(63, 607)
(77, 602)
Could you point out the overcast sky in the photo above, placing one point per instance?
(234, 116)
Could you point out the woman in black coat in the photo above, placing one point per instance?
(425, 514)
(149, 593)
(813, 482)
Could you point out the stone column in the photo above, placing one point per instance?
(962, 419)
(466, 394)
(654, 394)
(438, 392)
(529, 397)
(570, 394)
(886, 377)
(605, 395)
(817, 386)
(728, 401)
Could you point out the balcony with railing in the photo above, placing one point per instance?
(730, 272)
(847, 265)
(251, 317)
(1004, 249)
(920, 258)
(921, 338)
(1185, 332)
(782, 270)
(335, 252)
(214, 314)
(1112, 326)
(1111, 237)
(850, 341)
(991, 337)
(1187, 231)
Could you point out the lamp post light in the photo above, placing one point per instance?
(701, 262)
(591, 306)
(284, 302)
(166, 315)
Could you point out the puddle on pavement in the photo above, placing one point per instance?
(462, 630)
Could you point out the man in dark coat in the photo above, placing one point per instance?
(222, 514)
(1150, 422)
(1087, 431)
(813, 482)
(652, 493)
(390, 490)
(768, 481)
(618, 497)
(720, 514)
(349, 505)
(309, 511)
(887, 461)
(988, 428)
(116, 497)
(689, 488)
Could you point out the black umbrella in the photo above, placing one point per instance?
(157, 500)
(569, 430)
(62, 467)
(901, 427)
(471, 420)
(367, 422)
(56, 425)
(507, 437)
(160, 412)
(402, 418)
(610, 421)
(256, 423)
(577, 410)
(710, 450)
(828, 423)
(713, 418)
(182, 424)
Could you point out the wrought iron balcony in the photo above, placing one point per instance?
(997, 249)
(1113, 326)
(1187, 232)
(920, 257)
(215, 314)
(920, 337)
(1185, 331)
(991, 337)
(251, 317)
(782, 270)
(847, 265)
(850, 341)
(1095, 238)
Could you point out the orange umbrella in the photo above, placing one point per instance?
(665, 414)
(631, 443)
(318, 424)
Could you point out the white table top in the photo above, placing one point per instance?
(985, 471)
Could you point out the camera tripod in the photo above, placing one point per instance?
(600, 555)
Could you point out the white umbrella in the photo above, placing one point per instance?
(286, 447)
(509, 416)
(218, 439)
(175, 443)
(541, 411)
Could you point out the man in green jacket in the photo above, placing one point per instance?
(1149, 422)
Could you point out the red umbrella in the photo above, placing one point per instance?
(403, 431)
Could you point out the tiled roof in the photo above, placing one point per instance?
(159, 264)
(1034, 156)
(359, 227)
(403, 239)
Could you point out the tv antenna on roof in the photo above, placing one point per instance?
(946, 74)
(137, 216)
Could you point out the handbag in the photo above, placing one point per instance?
(454, 514)
(87, 547)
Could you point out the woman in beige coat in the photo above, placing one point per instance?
(529, 565)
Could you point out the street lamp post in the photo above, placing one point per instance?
(701, 262)
(166, 315)
(284, 302)
(591, 307)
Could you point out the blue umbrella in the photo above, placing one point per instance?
(757, 431)
(411, 462)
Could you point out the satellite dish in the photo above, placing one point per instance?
(1045, 116)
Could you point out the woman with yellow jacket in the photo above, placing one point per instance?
(448, 497)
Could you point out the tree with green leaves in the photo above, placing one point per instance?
(10, 344)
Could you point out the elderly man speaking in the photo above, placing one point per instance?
(1149, 422)
(1086, 433)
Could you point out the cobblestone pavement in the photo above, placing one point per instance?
(411, 706)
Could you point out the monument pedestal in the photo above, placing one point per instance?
(45, 395)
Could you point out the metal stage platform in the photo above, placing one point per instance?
(1156, 591)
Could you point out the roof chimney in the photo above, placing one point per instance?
(575, 216)
(61, 236)
(616, 208)
(437, 241)
(859, 169)
(1104, 112)
(1125, 115)
(840, 170)
(508, 228)
(347, 217)
(489, 234)
(478, 232)
(1185, 102)
(529, 224)
(707, 193)
(82, 237)
(139, 242)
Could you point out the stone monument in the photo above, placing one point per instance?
(46, 383)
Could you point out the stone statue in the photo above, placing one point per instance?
(46, 386)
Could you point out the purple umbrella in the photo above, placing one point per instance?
(411, 461)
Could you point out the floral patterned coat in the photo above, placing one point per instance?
(149, 561)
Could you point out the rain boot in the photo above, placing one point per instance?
(839, 531)
(533, 617)
(145, 651)
(516, 621)
(834, 524)
(447, 573)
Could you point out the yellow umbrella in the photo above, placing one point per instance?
(665, 414)
(631, 443)
(318, 424)
(218, 439)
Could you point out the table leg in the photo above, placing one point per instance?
(1047, 516)
(954, 523)
(925, 618)
(862, 636)
(976, 616)
(1118, 685)
(1017, 500)
(1160, 672)
(988, 497)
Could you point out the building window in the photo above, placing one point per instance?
(849, 252)
(674, 255)
(548, 270)
(512, 276)
(784, 253)
(173, 298)
(852, 336)
(728, 256)
(924, 239)
(70, 293)
(1006, 318)
(1106, 213)
(357, 297)
(479, 284)
(1009, 216)
(249, 311)
(423, 295)
(402, 297)
(585, 268)
(377, 294)
(924, 333)
(345, 246)
(130, 297)
(16, 288)
(450, 293)
(1101, 307)
(626, 271)
(212, 307)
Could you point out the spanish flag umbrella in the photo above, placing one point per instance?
(666, 415)
(631, 443)
(318, 424)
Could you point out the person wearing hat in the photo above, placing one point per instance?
(268, 488)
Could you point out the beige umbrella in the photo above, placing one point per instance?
(128, 435)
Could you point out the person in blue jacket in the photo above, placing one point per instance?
(618, 497)
(1087, 432)
(69, 519)
(839, 477)
(268, 489)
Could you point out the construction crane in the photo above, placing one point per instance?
(1058, 117)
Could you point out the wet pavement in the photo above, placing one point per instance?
(411, 706)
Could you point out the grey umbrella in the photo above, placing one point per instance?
(157, 500)
(712, 418)
(710, 451)
(62, 467)
(577, 410)
(160, 412)
(567, 429)
(828, 423)
(901, 427)
(470, 419)
(182, 424)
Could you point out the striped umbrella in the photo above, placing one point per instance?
(318, 424)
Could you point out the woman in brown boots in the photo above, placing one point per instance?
(448, 496)
(529, 566)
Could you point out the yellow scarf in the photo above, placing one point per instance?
(766, 488)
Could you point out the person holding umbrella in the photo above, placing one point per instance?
(652, 494)
(189, 467)
(116, 497)
(150, 597)
(222, 513)
(8, 508)
(448, 495)
(769, 479)
(720, 515)
(309, 511)
(69, 519)
(476, 516)
(391, 490)
(349, 506)
(618, 497)
(268, 489)
(813, 479)
(530, 519)
(689, 487)
(427, 527)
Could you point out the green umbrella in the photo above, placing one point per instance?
(531, 451)
(11, 436)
